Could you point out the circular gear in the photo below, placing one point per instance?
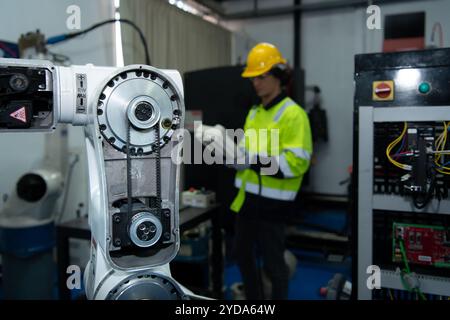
(146, 286)
(143, 97)
(145, 229)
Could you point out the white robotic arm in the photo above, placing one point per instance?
(33, 200)
(130, 116)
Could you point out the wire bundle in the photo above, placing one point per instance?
(440, 146)
(392, 145)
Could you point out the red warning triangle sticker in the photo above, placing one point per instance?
(20, 115)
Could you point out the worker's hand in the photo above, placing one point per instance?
(216, 138)
(213, 134)
(213, 140)
(209, 134)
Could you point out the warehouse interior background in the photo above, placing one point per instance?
(318, 37)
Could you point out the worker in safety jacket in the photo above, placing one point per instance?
(278, 146)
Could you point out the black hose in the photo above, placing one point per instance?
(97, 25)
(67, 186)
(422, 204)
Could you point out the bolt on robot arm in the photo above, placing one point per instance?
(130, 116)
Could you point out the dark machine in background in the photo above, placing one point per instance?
(318, 117)
(405, 31)
(213, 96)
(219, 96)
(402, 174)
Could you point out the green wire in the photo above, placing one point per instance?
(408, 271)
(405, 260)
(421, 294)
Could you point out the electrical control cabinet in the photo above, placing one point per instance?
(402, 175)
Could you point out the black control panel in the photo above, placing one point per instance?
(417, 78)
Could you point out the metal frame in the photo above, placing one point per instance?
(428, 284)
(257, 12)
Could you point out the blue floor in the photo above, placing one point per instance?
(313, 272)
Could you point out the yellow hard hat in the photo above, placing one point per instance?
(261, 59)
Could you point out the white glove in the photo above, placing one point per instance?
(213, 134)
(217, 139)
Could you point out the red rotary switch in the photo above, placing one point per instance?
(383, 90)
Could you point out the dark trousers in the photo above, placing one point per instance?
(259, 228)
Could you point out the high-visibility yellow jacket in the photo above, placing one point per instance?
(288, 123)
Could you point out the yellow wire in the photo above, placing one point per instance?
(392, 145)
(442, 140)
(443, 172)
(440, 146)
